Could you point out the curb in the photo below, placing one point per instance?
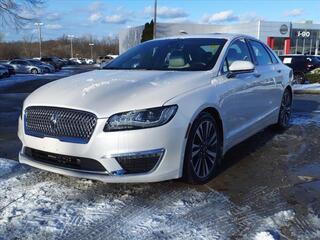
(306, 91)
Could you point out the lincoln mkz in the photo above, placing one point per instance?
(165, 109)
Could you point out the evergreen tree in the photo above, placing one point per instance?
(147, 33)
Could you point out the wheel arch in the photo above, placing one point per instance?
(213, 111)
(216, 115)
(289, 87)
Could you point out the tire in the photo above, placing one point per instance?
(203, 150)
(285, 111)
(299, 78)
(34, 71)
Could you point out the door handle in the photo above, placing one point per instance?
(279, 71)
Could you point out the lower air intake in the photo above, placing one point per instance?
(140, 162)
(65, 161)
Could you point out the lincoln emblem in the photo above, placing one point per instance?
(53, 121)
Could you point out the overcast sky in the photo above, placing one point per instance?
(106, 18)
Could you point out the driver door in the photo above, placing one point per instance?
(242, 104)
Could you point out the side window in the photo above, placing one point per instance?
(238, 51)
(273, 58)
(261, 54)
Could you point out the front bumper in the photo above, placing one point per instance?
(107, 147)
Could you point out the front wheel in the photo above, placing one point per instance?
(285, 110)
(203, 150)
(34, 71)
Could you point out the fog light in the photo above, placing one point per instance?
(140, 162)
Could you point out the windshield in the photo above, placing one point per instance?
(191, 54)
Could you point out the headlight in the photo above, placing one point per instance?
(137, 119)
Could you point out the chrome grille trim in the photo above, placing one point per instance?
(67, 125)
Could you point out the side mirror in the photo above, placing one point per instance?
(238, 67)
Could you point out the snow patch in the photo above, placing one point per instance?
(312, 86)
(305, 119)
(263, 236)
(7, 166)
(280, 218)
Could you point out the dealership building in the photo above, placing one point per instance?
(283, 37)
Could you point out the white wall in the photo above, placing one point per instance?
(260, 29)
(272, 29)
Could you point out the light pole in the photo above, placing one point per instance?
(91, 47)
(38, 25)
(71, 46)
(155, 20)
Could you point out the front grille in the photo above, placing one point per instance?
(67, 125)
(65, 161)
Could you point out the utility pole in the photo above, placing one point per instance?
(38, 25)
(155, 20)
(91, 47)
(71, 46)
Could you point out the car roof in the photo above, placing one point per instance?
(227, 36)
(296, 55)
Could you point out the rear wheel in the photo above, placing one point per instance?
(34, 71)
(203, 150)
(285, 110)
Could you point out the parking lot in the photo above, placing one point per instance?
(268, 186)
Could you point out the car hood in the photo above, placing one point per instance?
(105, 92)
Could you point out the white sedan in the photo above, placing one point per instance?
(166, 109)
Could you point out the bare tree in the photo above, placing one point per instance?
(27, 48)
(12, 11)
(27, 45)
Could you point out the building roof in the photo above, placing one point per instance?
(227, 36)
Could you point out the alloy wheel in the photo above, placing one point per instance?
(285, 109)
(204, 149)
(34, 71)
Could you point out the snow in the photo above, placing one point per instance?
(305, 119)
(20, 78)
(6, 166)
(312, 86)
(280, 219)
(263, 236)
